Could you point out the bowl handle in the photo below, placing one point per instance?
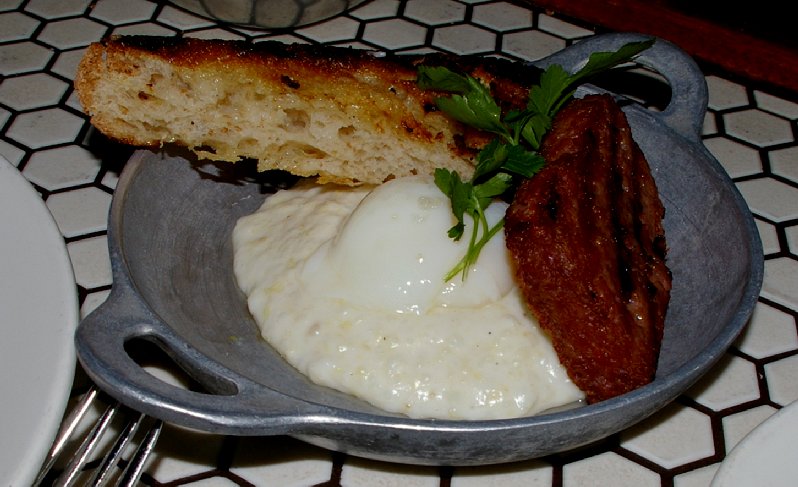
(687, 107)
(235, 405)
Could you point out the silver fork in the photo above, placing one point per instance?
(104, 473)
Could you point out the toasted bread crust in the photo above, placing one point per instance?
(345, 115)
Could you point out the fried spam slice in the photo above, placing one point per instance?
(586, 238)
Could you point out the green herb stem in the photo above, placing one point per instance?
(513, 155)
(472, 254)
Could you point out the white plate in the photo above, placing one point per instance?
(766, 456)
(38, 316)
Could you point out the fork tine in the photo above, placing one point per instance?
(87, 447)
(68, 427)
(104, 471)
(135, 467)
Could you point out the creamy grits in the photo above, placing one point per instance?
(348, 286)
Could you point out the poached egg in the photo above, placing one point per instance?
(348, 286)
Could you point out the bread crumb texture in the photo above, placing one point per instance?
(344, 115)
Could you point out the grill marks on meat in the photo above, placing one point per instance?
(588, 245)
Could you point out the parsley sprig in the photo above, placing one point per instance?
(513, 154)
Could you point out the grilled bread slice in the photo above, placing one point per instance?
(345, 115)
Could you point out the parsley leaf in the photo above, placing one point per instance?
(513, 155)
(602, 61)
(471, 102)
(440, 78)
(458, 192)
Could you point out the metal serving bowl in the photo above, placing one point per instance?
(169, 233)
(268, 14)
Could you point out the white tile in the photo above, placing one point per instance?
(732, 381)
(167, 372)
(780, 375)
(215, 33)
(32, 91)
(146, 29)
(16, 25)
(784, 162)
(10, 5)
(45, 127)
(92, 301)
(736, 158)
(675, 436)
(757, 127)
(531, 45)
(119, 12)
(700, 477)
(394, 34)
(281, 460)
(502, 16)
(90, 262)
(777, 105)
(561, 28)
(81, 211)
(172, 459)
(12, 153)
(435, 13)
(533, 473)
(710, 125)
(23, 57)
(110, 180)
(770, 332)
(608, 469)
(70, 33)
(338, 29)
(286, 39)
(377, 9)
(51, 9)
(73, 102)
(724, 94)
(252, 32)
(768, 236)
(214, 481)
(190, 5)
(792, 238)
(736, 426)
(781, 282)
(464, 39)
(63, 167)
(320, 11)
(39, 138)
(359, 472)
(770, 198)
(67, 63)
(182, 20)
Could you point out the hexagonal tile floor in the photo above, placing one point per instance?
(750, 130)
